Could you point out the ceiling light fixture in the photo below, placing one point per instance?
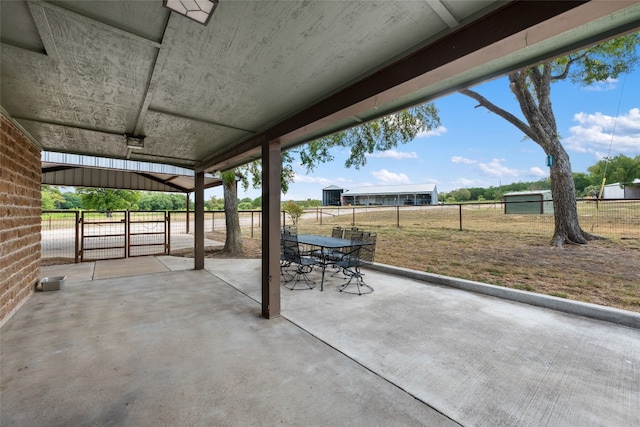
(198, 10)
(134, 142)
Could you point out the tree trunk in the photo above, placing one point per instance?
(233, 241)
(565, 209)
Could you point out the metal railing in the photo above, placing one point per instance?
(120, 234)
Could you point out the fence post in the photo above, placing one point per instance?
(252, 224)
(398, 216)
(320, 216)
(353, 217)
(460, 208)
(127, 232)
(82, 236)
(77, 241)
(168, 233)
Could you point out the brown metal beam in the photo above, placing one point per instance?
(163, 182)
(199, 225)
(271, 165)
(57, 168)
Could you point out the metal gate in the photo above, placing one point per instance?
(122, 234)
(149, 233)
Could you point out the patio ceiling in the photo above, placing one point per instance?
(79, 75)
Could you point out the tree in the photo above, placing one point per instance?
(233, 240)
(620, 169)
(293, 210)
(154, 201)
(461, 195)
(378, 135)
(532, 89)
(71, 200)
(179, 202)
(581, 182)
(214, 204)
(51, 198)
(107, 199)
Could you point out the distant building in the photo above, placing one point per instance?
(331, 195)
(392, 195)
(528, 202)
(622, 191)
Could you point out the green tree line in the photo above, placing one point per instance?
(619, 169)
(102, 199)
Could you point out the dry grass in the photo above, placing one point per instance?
(603, 272)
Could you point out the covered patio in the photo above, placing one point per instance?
(139, 81)
(151, 341)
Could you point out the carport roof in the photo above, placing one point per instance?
(72, 170)
(391, 189)
(79, 75)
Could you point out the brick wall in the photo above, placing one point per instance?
(20, 210)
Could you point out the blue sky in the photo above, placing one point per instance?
(476, 148)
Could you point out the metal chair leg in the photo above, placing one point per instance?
(359, 282)
(301, 272)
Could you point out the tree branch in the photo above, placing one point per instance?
(484, 102)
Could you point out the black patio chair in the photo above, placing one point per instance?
(362, 253)
(327, 253)
(299, 264)
(290, 229)
(285, 262)
(348, 232)
(333, 256)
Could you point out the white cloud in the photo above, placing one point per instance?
(459, 159)
(385, 177)
(496, 169)
(536, 171)
(464, 182)
(393, 154)
(597, 132)
(609, 84)
(440, 130)
(312, 180)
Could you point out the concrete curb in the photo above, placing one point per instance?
(593, 311)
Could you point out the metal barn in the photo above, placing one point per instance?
(392, 195)
(331, 195)
(528, 202)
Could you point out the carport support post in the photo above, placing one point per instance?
(271, 166)
(199, 223)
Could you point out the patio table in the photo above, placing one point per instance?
(325, 242)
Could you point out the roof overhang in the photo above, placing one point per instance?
(79, 76)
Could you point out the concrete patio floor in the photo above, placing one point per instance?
(148, 341)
